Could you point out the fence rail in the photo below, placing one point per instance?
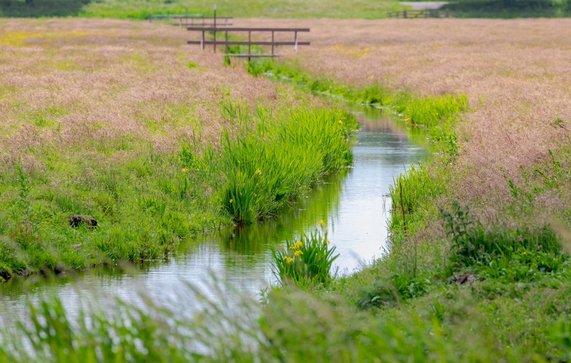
(202, 21)
(269, 31)
(188, 20)
(415, 14)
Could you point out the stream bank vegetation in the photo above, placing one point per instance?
(142, 9)
(81, 186)
(268, 161)
(306, 261)
(478, 265)
(454, 287)
(483, 293)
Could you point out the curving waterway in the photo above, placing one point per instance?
(355, 206)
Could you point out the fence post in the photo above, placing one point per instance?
(214, 27)
(249, 45)
(295, 39)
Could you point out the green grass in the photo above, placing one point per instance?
(364, 9)
(147, 206)
(511, 268)
(486, 321)
(431, 119)
(508, 9)
(410, 306)
(141, 9)
(268, 168)
(436, 115)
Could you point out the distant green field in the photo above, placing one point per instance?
(507, 9)
(140, 9)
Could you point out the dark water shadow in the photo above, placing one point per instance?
(41, 8)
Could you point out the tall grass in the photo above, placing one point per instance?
(435, 116)
(511, 255)
(268, 165)
(428, 111)
(141, 9)
(147, 205)
(294, 326)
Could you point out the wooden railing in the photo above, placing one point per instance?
(191, 21)
(270, 32)
(415, 14)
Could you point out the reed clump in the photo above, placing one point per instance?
(306, 261)
(274, 159)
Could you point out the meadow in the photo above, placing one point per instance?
(479, 265)
(281, 9)
(139, 9)
(179, 154)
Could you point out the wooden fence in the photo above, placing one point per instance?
(269, 32)
(415, 14)
(191, 21)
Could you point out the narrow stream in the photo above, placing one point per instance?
(355, 206)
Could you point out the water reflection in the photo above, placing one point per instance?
(354, 204)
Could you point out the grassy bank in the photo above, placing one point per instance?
(430, 120)
(104, 158)
(145, 207)
(483, 293)
(140, 9)
(471, 268)
(453, 288)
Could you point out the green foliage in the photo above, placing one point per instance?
(427, 112)
(307, 261)
(389, 292)
(142, 9)
(513, 255)
(148, 205)
(508, 9)
(409, 195)
(522, 323)
(268, 168)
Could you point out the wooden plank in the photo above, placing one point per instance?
(201, 17)
(253, 42)
(189, 25)
(212, 29)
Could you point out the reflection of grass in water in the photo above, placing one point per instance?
(258, 238)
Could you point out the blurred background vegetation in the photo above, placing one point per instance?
(365, 9)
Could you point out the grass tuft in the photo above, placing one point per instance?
(306, 261)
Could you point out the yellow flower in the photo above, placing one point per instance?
(258, 172)
(288, 259)
(184, 170)
(298, 253)
(296, 246)
(322, 223)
